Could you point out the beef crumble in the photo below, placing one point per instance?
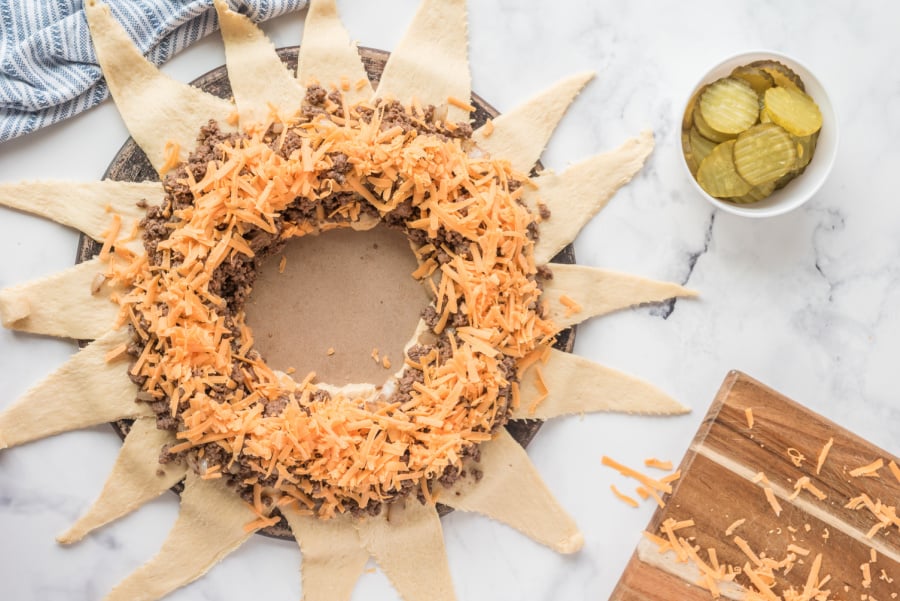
(233, 280)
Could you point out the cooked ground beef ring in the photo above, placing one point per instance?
(340, 198)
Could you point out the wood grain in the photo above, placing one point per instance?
(716, 489)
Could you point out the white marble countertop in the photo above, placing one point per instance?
(806, 302)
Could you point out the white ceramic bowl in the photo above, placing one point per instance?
(804, 186)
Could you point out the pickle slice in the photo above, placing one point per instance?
(764, 153)
(729, 106)
(706, 131)
(751, 133)
(688, 120)
(806, 146)
(756, 194)
(717, 175)
(793, 110)
(758, 79)
(700, 146)
(782, 74)
(785, 180)
(688, 151)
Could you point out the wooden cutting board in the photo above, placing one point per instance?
(717, 488)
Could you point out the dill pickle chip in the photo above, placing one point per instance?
(782, 74)
(717, 175)
(763, 117)
(688, 120)
(700, 146)
(806, 146)
(764, 153)
(758, 79)
(706, 131)
(784, 180)
(756, 194)
(793, 110)
(729, 106)
(688, 151)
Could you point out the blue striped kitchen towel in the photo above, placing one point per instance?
(48, 70)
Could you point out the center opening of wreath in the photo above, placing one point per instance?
(338, 304)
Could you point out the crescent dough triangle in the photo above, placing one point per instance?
(156, 108)
(327, 55)
(431, 61)
(85, 391)
(259, 80)
(83, 205)
(210, 525)
(576, 385)
(577, 194)
(61, 304)
(599, 291)
(136, 478)
(521, 134)
(511, 491)
(333, 556)
(405, 531)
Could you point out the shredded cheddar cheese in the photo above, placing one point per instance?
(870, 470)
(650, 487)
(543, 390)
(623, 497)
(324, 455)
(658, 464)
(894, 470)
(773, 500)
(650, 483)
(797, 458)
(172, 151)
(461, 104)
(572, 307)
(734, 526)
(669, 478)
(748, 413)
(760, 576)
(823, 454)
(804, 483)
(885, 515)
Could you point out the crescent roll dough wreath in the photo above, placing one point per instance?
(301, 154)
(334, 167)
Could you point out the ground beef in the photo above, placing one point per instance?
(544, 272)
(320, 396)
(234, 278)
(431, 317)
(405, 384)
(402, 212)
(276, 407)
(393, 115)
(339, 167)
(291, 144)
(315, 95)
(417, 351)
(166, 455)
